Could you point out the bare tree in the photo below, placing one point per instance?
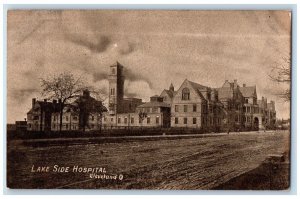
(64, 87)
(86, 106)
(281, 73)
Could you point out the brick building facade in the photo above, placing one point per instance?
(227, 108)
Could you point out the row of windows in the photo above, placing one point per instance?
(185, 120)
(67, 118)
(185, 108)
(125, 120)
(194, 108)
(66, 126)
(249, 109)
(194, 120)
(148, 110)
(75, 118)
(185, 95)
(71, 127)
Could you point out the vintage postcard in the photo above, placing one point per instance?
(148, 99)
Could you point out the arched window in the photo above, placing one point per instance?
(185, 94)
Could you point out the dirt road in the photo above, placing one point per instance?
(189, 163)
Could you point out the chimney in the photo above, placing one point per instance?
(244, 85)
(33, 102)
(171, 88)
(25, 119)
(86, 93)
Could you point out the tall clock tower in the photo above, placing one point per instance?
(116, 88)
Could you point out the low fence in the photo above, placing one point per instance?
(106, 132)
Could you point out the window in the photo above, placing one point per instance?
(208, 95)
(113, 71)
(176, 108)
(112, 119)
(176, 120)
(92, 126)
(185, 120)
(194, 120)
(67, 126)
(119, 120)
(204, 109)
(194, 107)
(93, 118)
(74, 118)
(125, 120)
(246, 101)
(148, 120)
(185, 107)
(157, 119)
(54, 118)
(132, 120)
(140, 120)
(112, 91)
(155, 109)
(67, 118)
(185, 94)
(210, 109)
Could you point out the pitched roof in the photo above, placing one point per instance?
(248, 91)
(197, 86)
(169, 93)
(199, 89)
(47, 106)
(225, 92)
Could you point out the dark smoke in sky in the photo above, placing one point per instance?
(101, 44)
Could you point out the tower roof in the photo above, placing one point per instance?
(116, 64)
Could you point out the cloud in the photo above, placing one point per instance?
(99, 45)
(21, 95)
(128, 74)
(126, 49)
(139, 89)
(156, 48)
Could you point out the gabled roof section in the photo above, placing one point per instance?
(46, 106)
(249, 91)
(169, 93)
(225, 92)
(197, 86)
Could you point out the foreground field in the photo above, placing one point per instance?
(189, 163)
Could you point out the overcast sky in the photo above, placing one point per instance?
(156, 48)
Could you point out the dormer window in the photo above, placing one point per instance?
(113, 71)
(185, 94)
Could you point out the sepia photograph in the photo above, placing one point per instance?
(149, 99)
